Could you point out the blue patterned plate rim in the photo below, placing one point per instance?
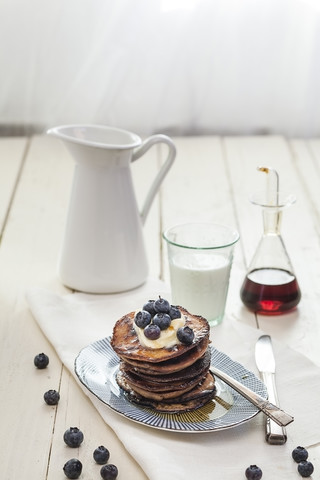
(97, 364)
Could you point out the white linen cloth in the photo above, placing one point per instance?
(73, 321)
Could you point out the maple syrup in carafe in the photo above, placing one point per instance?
(270, 287)
(270, 291)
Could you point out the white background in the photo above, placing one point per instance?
(171, 66)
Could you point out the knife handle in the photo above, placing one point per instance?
(275, 434)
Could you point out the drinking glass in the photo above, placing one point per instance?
(200, 259)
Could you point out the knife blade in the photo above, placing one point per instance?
(275, 434)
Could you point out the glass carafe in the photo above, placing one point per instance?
(270, 286)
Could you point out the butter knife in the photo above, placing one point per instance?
(279, 416)
(275, 434)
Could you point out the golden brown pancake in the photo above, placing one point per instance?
(172, 379)
(199, 366)
(158, 391)
(195, 398)
(126, 344)
(173, 365)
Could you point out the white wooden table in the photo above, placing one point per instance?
(211, 180)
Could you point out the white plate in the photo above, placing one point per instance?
(96, 367)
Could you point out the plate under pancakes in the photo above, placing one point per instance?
(96, 367)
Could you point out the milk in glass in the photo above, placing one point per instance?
(199, 282)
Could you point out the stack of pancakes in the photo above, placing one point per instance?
(170, 380)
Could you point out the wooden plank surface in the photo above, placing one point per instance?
(28, 257)
(204, 192)
(300, 228)
(210, 180)
(12, 155)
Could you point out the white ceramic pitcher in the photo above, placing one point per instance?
(103, 248)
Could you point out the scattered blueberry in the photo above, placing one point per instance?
(101, 455)
(73, 437)
(253, 472)
(51, 397)
(163, 320)
(299, 454)
(109, 472)
(305, 468)
(142, 318)
(149, 307)
(174, 312)
(152, 331)
(41, 360)
(162, 305)
(185, 335)
(73, 468)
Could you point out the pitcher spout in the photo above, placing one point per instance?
(98, 136)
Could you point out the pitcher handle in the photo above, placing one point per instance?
(148, 143)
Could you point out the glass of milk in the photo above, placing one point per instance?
(200, 259)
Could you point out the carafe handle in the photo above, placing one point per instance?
(148, 143)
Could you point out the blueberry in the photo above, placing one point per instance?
(162, 305)
(299, 454)
(142, 318)
(109, 472)
(185, 335)
(73, 468)
(152, 331)
(253, 472)
(73, 437)
(305, 468)
(101, 455)
(51, 397)
(174, 312)
(41, 360)
(163, 320)
(149, 307)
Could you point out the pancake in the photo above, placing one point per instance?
(193, 399)
(168, 372)
(126, 344)
(175, 364)
(199, 366)
(159, 390)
